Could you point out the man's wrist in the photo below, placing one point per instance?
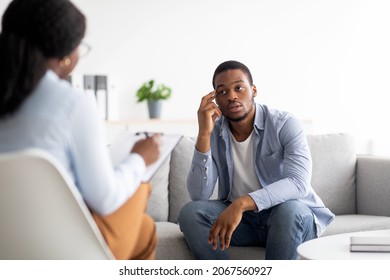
(203, 142)
(245, 203)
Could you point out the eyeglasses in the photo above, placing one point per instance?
(84, 49)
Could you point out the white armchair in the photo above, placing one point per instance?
(42, 214)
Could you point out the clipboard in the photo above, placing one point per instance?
(120, 149)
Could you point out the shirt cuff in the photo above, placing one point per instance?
(137, 164)
(256, 198)
(201, 159)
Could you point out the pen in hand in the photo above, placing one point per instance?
(148, 148)
(144, 132)
(147, 134)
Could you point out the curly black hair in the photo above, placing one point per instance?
(33, 31)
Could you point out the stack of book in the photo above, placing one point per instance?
(370, 244)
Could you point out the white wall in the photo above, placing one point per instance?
(326, 61)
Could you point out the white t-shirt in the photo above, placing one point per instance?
(244, 175)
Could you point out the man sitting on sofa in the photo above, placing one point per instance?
(263, 165)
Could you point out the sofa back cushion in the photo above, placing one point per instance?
(181, 159)
(334, 169)
(373, 185)
(158, 204)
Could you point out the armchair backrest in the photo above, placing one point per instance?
(42, 214)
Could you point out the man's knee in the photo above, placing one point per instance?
(292, 212)
(291, 208)
(188, 210)
(188, 214)
(196, 212)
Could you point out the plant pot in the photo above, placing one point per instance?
(154, 107)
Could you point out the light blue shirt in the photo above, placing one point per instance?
(66, 123)
(282, 163)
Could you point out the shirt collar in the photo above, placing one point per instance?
(259, 117)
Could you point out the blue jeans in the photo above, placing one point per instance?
(280, 229)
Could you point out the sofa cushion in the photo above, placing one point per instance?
(334, 166)
(158, 204)
(181, 158)
(171, 242)
(373, 185)
(353, 223)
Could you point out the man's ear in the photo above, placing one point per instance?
(254, 89)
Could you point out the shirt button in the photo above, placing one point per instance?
(204, 160)
(205, 178)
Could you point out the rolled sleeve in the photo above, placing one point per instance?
(201, 176)
(202, 159)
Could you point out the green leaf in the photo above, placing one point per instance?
(150, 91)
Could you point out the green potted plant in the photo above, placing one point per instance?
(153, 94)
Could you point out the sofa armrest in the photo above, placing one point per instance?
(373, 185)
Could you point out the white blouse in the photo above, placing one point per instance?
(66, 123)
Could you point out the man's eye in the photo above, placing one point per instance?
(240, 88)
(222, 92)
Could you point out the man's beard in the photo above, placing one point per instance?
(243, 117)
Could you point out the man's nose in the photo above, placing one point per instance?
(231, 95)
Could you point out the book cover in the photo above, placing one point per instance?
(120, 148)
(370, 244)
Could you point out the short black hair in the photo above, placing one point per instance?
(232, 65)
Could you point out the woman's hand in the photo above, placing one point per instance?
(148, 148)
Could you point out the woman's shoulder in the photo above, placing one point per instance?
(59, 97)
(52, 84)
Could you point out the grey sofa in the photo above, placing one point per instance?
(355, 187)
